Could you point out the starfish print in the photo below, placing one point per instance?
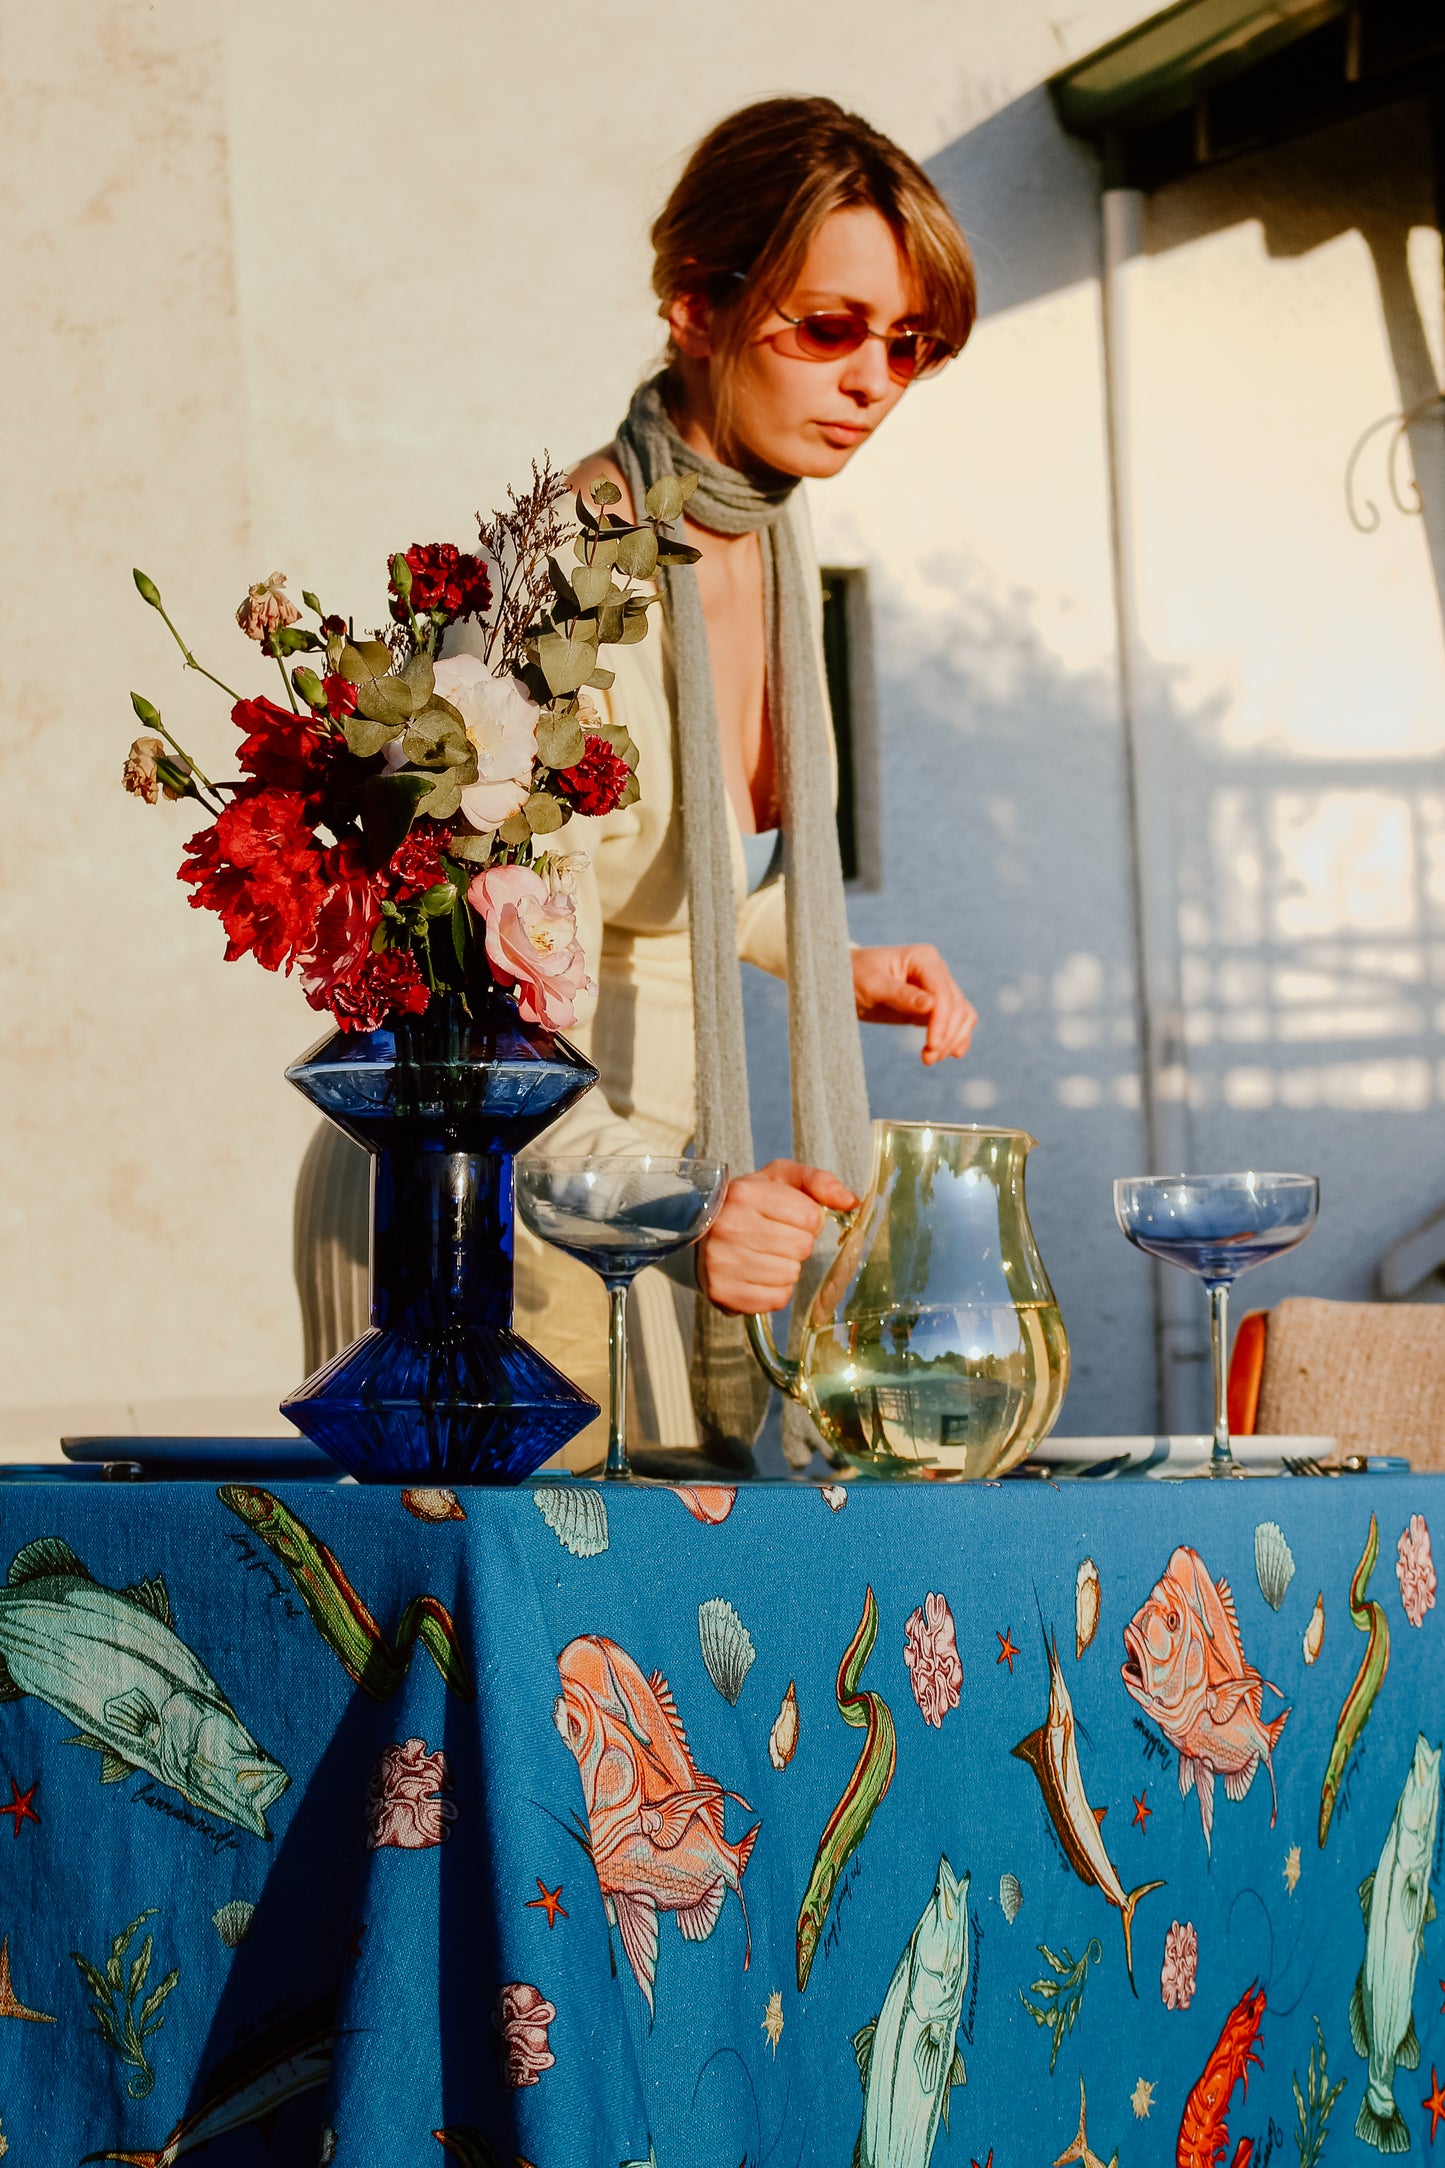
(1434, 2104)
(1142, 1812)
(1291, 1871)
(548, 1903)
(773, 2020)
(1141, 2100)
(10, 2003)
(983, 2164)
(1006, 1654)
(20, 1805)
(1081, 2150)
(353, 1942)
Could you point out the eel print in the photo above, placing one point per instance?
(872, 1775)
(377, 1664)
(1370, 1618)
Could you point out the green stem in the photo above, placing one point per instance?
(197, 772)
(191, 663)
(285, 680)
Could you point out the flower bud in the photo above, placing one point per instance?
(146, 588)
(401, 575)
(310, 687)
(146, 712)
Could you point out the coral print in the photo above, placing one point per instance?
(1181, 1966)
(1415, 1570)
(931, 1654)
(403, 1806)
(521, 2018)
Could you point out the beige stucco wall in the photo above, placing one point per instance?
(286, 290)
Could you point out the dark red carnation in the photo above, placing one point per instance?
(416, 864)
(260, 869)
(597, 782)
(445, 584)
(346, 919)
(383, 983)
(290, 752)
(340, 695)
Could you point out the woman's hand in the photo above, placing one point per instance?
(914, 985)
(752, 1254)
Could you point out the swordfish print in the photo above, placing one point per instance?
(1052, 1752)
(112, 1662)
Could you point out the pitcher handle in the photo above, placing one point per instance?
(782, 1370)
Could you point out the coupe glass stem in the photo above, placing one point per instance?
(1221, 1460)
(617, 1461)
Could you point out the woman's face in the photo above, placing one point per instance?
(798, 416)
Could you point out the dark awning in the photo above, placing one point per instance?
(1206, 79)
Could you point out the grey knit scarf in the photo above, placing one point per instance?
(830, 1097)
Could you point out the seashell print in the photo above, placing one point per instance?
(433, 1505)
(727, 1647)
(232, 1923)
(1315, 1631)
(1086, 1606)
(1273, 1563)
(710, 1503)
(835, 1497)
(783, 1738)
(576, 1513)
(1010, 1897)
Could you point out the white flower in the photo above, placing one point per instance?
(501, 723)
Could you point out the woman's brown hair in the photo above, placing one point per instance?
(739, 223)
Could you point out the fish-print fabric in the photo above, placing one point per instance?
(579, 1945)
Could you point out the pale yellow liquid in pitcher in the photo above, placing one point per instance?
(946, 1393)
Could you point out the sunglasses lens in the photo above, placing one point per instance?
(825, 338)
(914, 354)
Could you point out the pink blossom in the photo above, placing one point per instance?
(1415, 1570)
(402, 1806)
(267, 608)
(1181, 1966)
(532, 943)
(521, 2019)
(931, 1654)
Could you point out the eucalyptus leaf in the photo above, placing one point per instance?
(604, 491)
(599, 552)
(384, 699)
(634, 624)
(421, 677)
(566, 664)
(515, 829)
(470, 849)
(561, 742)
(637, 554)
(592, 584)
(544, 813)
(688, 483)
(631, 792)
(562, 587)
(676, 553)
(444, 798)
(365, 738)
(611, 622)
(666, 498)
(602, 680)
(437, 738)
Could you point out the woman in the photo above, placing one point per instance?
(808, 272)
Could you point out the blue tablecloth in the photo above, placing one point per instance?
(343, 1834)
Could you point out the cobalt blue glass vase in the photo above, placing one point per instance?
(441, 1389)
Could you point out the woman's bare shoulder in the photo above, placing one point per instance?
(603, 465)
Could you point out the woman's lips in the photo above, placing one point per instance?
(846, 432)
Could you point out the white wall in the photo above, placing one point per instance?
(284, 293)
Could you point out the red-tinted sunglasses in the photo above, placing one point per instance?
(831, 334)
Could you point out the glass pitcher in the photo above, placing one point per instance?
(934, 1346)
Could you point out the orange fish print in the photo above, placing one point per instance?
(1186, 1669)
(655, 1822)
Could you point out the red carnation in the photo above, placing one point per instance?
(445, 584)
(258, 867)
(340, 695)
(598, 781)
(346, 918)
(416, 864)
(384, 983)
(290, 752)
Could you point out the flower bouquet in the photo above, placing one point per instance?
(392, 837)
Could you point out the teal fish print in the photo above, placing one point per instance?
(112, 1662)
(907, 2058)
(291, 2058)
(1397, 1905)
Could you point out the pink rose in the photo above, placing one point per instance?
(521, 2019)
(532, 943)
(1181, 1966)
(1415, 1570)
(931, 1654)
(267, 606)
(402, 1806)
(501, 725)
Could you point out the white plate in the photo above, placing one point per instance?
(1178, 1452)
